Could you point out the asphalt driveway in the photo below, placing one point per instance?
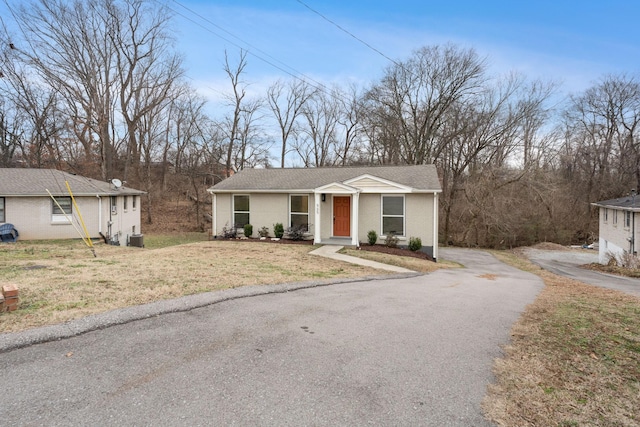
(412, 350)
(568, 264)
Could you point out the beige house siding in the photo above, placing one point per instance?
(419, 217)
(370, 217)
(33, 218)
(224, 215)
(265, 210)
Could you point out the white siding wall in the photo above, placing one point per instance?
(32, 218)
(614, 235)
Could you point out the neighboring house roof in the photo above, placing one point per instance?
(626, 203)
(417, 177)
(35, 182)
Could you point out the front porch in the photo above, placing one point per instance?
(335, 241)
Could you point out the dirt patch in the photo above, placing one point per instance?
(488, 276)
(549, 246)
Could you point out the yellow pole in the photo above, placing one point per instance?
(65, 215)
(88, 240)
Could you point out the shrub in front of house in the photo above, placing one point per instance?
(264, 232)
(229, 232)
(278, 230)
(372, 237)
(391, 240)
(248, 230)
(415, 244)
(296, 232)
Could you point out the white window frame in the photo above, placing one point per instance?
(615, 217)
(291, 213)
(134, 202)
(125, 203)
(113, 204)
(3, 214)
(234, 211)
(403, 216)
(62, 201)
(605, 215)
(61, 217)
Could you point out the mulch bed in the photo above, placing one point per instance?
(395, 251)
(375, 248)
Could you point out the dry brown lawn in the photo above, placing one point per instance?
(63, 281)
(574, 358)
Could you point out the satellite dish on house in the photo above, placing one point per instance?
(116, 182)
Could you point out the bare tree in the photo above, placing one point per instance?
(416, 94)
(147, 70)
(286, 101)
(236, 102)
(98, 55)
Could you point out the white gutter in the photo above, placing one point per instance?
(214, 221)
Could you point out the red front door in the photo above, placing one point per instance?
(342, 216)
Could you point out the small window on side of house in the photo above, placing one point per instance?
(125, 203)
(605, 215)
(114, 205)
(627, 219)
(61, 206)
(615, 217)
(2, 215)
(134, 202)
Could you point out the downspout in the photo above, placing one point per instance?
(214, 219)
(99, 214)
(435, 226)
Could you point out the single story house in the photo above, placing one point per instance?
(338, 205)
(617, 227)
(109, 210)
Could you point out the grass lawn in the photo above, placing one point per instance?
(62, 280)
(574, 358)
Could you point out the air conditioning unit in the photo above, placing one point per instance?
(136, 240)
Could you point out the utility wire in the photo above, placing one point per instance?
(348, 32)
(272, 61)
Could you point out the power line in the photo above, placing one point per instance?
(249, 48)
(344, 30)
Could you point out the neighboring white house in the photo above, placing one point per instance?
(617, 227)
(339, 205)
(109, 210)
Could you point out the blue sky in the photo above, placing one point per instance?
(572, 42)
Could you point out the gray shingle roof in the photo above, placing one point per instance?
(418, 177)
(627, 202)
(36, 182)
